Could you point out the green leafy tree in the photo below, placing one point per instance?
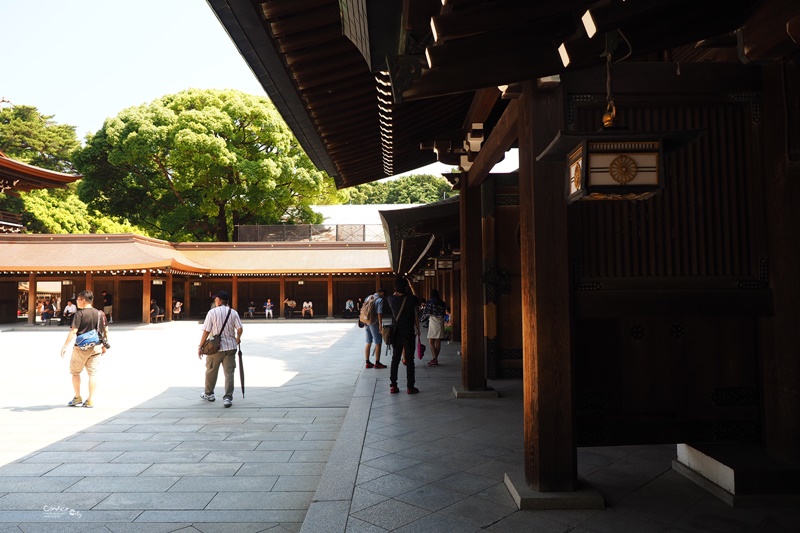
(195, 165)
(61, 211)
(36, 139)
(414, 189)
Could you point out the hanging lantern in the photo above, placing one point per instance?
(614, 163)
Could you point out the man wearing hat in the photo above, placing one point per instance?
(230, 336)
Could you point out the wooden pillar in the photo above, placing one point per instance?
(780, 362)
(32, 301)
(146, 295)
(473, 363)
(549, 448)
(168, 299)
(490, 290)
(234, 303)
(187, 298)
(282, 298)
(455, 304)
(330, 295)
(116, 294)
(90, 282)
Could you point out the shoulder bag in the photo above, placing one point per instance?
(212, 343)
(388, 331)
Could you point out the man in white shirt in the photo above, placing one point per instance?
(230, 336)
(308, 309)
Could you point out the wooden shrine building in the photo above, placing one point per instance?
(136, 269)
(640, 270)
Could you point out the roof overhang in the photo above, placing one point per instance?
(129, 253)
(418, 232)
(363, 98)
(16, 177)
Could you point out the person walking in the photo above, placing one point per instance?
(268, 308)
(108, 306)
(223, 322)
(372, 319)
(89, 331)
(405, 313)
(435, 310)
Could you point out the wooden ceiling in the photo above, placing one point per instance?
(365, 83)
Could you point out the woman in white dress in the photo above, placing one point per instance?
(435, 309)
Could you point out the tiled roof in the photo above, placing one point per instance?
(120, 252)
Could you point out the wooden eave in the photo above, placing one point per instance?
(21, 177)
(23, 254)
(409, 231)
(324, 87)
(90, 253)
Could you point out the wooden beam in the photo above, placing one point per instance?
(307, 21)
(494, 148)
(482, 105)
(549, 448)
(504, 69)
(516, 38)
(765, 36)
(490, 17)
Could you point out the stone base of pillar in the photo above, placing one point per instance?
(528, 499)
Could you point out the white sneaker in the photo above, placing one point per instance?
(209, 397)
(227, 402)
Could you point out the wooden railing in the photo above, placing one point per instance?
(10, 222)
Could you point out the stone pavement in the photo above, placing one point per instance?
(318, 444)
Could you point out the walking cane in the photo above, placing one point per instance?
(241, 370)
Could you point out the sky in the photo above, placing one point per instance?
(86, 60)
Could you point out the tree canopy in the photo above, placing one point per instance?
(415, 189)
(28, 136)
(36, 139)
(196, 164)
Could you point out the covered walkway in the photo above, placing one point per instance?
(318, 444)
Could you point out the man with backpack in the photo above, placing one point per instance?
(90, 335)
(372, 317)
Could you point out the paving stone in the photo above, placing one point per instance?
(261, 500)
(225, 484)
(124, 484)
(156, 500)
(37, 484)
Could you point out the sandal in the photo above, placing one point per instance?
(433, 362)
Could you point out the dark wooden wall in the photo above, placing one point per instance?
(9, 292)
(668, 291)
(258, 292)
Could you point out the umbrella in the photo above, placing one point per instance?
(241, 370)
